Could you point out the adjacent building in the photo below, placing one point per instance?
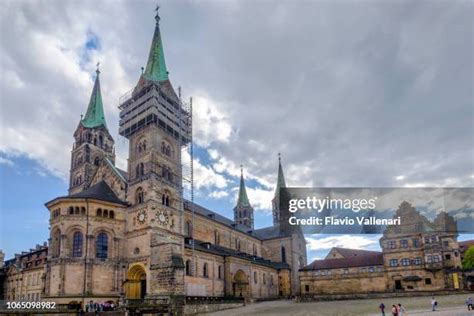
(23, 276)
(418, 255)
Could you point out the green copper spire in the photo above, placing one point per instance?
(281, 178)
(156, 67)
(243, 199)
(95, 111)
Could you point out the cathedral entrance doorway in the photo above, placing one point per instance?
(136, 282)
(240, 284)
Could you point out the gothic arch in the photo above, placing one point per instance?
(136, 281)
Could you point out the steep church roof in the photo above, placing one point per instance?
(242, 199)
(100, 191)
(281, 178)
(95, 111)
(270, 232)
(156, 67)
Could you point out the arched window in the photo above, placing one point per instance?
(137, 171)
(96, 161)
(101, 141)
(70, 210)
(142, 169)
(77, 244)
(77, 210)
(106, 213)
(56, 243)
(255, 250)
(83, 210)
(165, 199)
(99, 212)
(189, 268)
(139, 197)
(112, 214)
(216, 237)
(255, 279)
(102, 246)
(205, 272)
(219, 272)
(237, 244)
(283, 254)
(188, 229)
(264, 278)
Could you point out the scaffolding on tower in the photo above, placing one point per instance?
(187, 164)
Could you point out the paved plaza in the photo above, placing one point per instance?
(450, 305)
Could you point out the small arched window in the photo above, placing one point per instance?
(216, 237)
(219, 272)
(188, 267)
(70, 210)
(205, 271)
(99, 212)
(283, 254)
(142, 169)
(77, 210)
(56, 243)
(139, 197)
(165, 199)
(255, 280)
(83, 210)
(101, 141)
(96, 161)
(106, 213)
(102, 246)
(188, 229)
(77, 244)
(255, 250)
(111, 214)
(237, 244)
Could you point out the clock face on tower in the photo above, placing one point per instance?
(162, 217)
(141, 216)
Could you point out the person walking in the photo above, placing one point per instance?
(394, 310)
(382, 308)
(434, 303)
(401, 309)
(469, 304)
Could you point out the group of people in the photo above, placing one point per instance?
(95, 307)
(397, 310)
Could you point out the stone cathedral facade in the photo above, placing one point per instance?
(130, 235)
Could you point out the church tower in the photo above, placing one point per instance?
(276, 199)
(157, 125)
(92, 143)
(243, 211)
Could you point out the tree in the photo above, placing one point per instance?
(468, 261)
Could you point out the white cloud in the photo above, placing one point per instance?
(218, 194)
(261, 199)
(5, 161)
(210, 124)
(345, 241)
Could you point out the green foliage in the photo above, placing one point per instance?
(468, 261)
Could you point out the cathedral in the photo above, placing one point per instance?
(131, 236)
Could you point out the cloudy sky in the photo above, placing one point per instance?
(351, 93)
